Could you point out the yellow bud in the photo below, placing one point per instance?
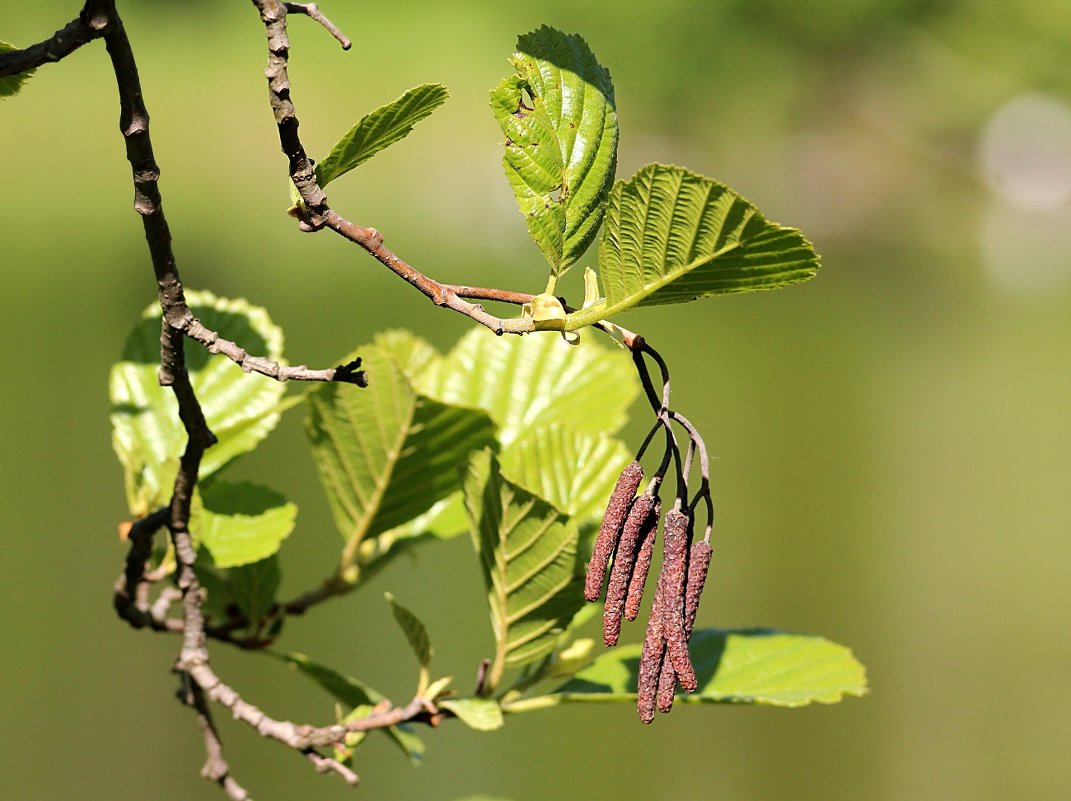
(547, 312)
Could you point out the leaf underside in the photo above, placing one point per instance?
(559, 117)
(380, 129)
(574, 471)
(672, 236)
(527, 383)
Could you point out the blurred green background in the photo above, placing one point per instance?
(892, 440)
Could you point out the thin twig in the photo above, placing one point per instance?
(328, 765)
(215, 768)
(312, 11)
(214, 343)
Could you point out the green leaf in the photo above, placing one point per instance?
(253, 587)
(739, 666)
(526, 383)
(240, 409)
(574, 471)
(416, 634)
(559, 117)
(528, 553)
(673, 236)
(481, 714)
(355, 693)
(380, 129)
(350, 691)
(241, 523)
(409, 741)
(387, 454)
(11, 84)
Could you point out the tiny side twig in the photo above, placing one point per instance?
(312, 11)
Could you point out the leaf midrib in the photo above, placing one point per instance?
(379, 486)
(600, 310)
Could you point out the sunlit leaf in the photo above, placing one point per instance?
(739, 666)
(528, 554)
(11, 84)
(559, 117)
(525, 383)
(380, 129)
(574, 471)
(481, 714)
(672, 236)
(241, 523)
(240, 409)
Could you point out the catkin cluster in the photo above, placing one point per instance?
(625, 544)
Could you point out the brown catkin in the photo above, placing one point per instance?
(612, 522)
(667, 687)
(648, 535)
(651, 660)
(698, 566)
(621, 571)
(671, 588)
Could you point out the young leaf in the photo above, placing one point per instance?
(739, 666)
(240, 523)
(673, 236)
(525, 383)
(11, 84)
(437, 687)
(481, 714)
(527, 550)
(240, 409)
(418, 638)
(387, 453)
(559, 117)
(574, 471)
(356, 693)
(380, 129)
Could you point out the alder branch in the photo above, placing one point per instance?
(87, 26)
(131, 597)
(320, 215)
